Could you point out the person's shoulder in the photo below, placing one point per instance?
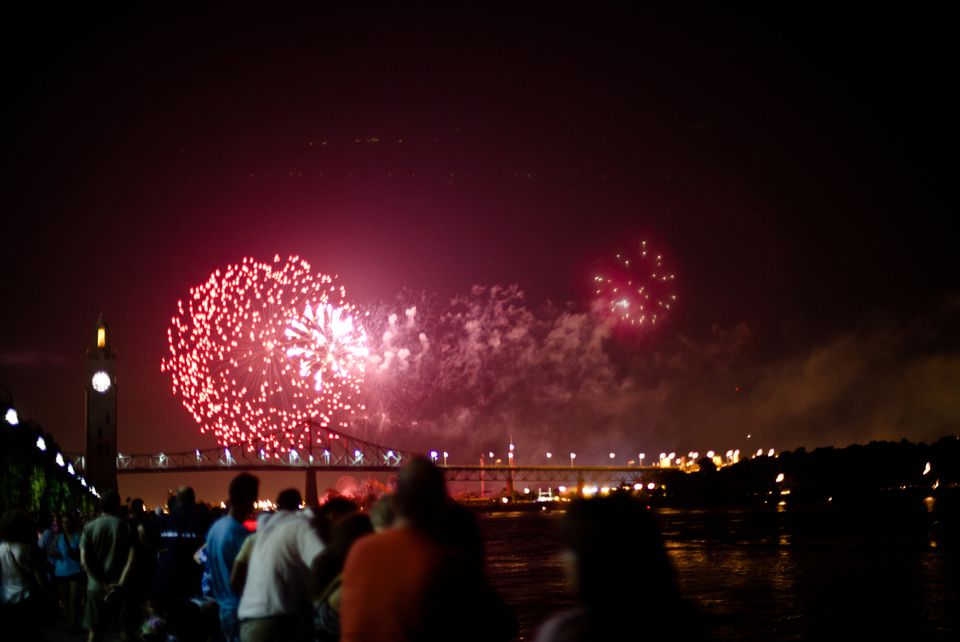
(220, 526)
(565, 626)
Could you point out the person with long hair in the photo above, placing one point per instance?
(68, 574)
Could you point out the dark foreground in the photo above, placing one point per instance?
(768, 575)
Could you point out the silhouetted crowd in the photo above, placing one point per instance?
(412, 567)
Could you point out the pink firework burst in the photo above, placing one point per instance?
(261, 351)
(635, 289)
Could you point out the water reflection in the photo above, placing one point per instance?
(769, 575)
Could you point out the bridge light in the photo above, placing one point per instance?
(293, 455)
(433, 455)
(641, 457)
(10, 416)
(445, 455)
(562, 489)
(41, 444)
(490, 454)
(59, 460)
(526, 491)
(771, 453)
(549, 455)
(263, 455)
(638, 487)
(710, 454)
(83, 482)
(613, 455)
(70, 469)
(358, 454)
(651, 486)
(197, 452)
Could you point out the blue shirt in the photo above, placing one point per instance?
(224, 540)
(66, 565)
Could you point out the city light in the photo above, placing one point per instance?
(779, 478)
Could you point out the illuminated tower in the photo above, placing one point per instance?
(101, 403)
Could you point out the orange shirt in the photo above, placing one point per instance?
(384, 582)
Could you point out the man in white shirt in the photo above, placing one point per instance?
(276, 604)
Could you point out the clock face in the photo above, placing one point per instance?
(100, 381)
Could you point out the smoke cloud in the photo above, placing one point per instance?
(485, 367)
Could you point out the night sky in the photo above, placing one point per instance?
(796, 168)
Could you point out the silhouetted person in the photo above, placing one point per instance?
(106, 554)
(462, 605)
(68, 573)
(328, 570)
(383, 513)
(391, 578)
(330, 512)
(275, 604)
(21, 577)
(178, 575)
(224, 541)
(622, 576)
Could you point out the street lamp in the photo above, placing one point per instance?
(641, 458)
(445, 455)
(572, 457)
(433, 456)
(549, 455)
(612, 456)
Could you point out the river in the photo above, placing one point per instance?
(767, 574)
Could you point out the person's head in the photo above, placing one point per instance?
(329, 512)
(421, 492)
(343, 533)
(136, 508)
(110, 503)
(289, 499)
(70, 523)
(243, 491)
(610, 539)
(185, 497)
(383, 513)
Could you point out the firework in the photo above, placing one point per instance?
(260, 352)
(635, 289)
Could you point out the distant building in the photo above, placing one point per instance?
(101, 409)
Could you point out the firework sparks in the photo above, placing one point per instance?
(636, 289)
(261, 349)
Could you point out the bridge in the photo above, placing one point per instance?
(338, 452)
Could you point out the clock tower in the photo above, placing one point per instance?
(101, 404)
